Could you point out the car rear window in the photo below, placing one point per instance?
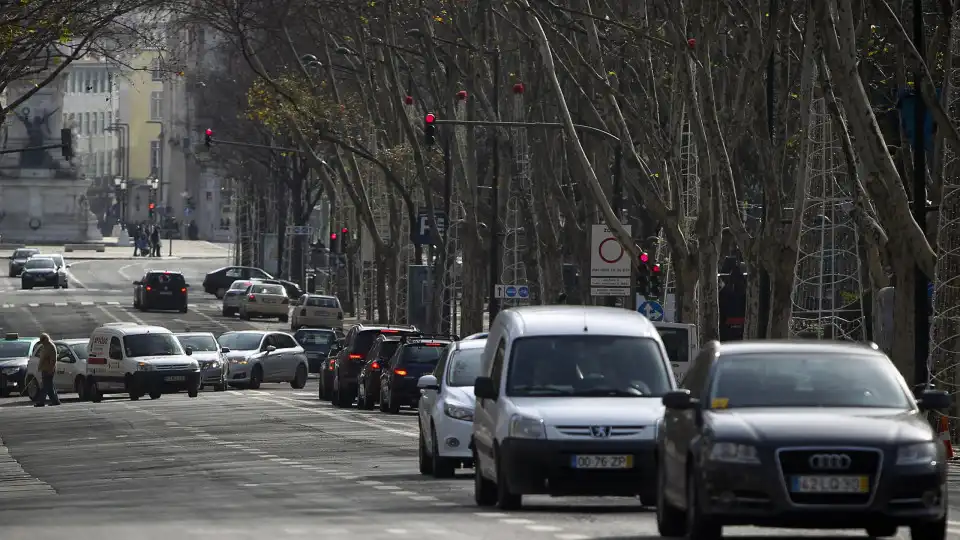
(325, 302)
(365, 338)
(677, 343)
(24, 253)
(387, 349)
(165, 279)
(267, 289)
(314, 338)
(422, 353)
(239, 285)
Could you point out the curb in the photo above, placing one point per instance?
(146, 259)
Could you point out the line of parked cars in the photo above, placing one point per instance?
(37, 269)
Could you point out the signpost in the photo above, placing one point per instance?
(299, 230)
(420, 231)
(512, 291)
(610, 268)
(651, 310)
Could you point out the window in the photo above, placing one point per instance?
(80, 350)
(156, 105)
(63, 354)
(323, 301)
(116, 350)
(241, 341)
(109, 119)
(199, 343)
(496, 370)
(154, 157)
(233, 273)
(104, 83)
(103, 122)
(267, 289)
(86, 123)
(95, 127)
(14, 349)
(283, 341)
(140, 345)
(575, 365)
(156, 73)
(465, 367)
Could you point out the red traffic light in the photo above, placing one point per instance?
(644, 257)
(152, 206)
(333, 236)
(429, 118)
(344, 230)
(656, 269)
(209, 132)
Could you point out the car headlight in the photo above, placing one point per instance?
(143, 366)
(917, 454)
(238, 361)
(524, 427)
(458, 412)
(10, 370)
(734, 453)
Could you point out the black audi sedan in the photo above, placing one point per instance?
(813, 435)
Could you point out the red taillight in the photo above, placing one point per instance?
(375, 365)
(389, 331)
(433, 344)
(332, 363)
(183, 290)
(252, 298)
(148, 288)
(356, 357)
(400, 372)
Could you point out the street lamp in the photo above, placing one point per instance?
(154, 183)
(120, 186)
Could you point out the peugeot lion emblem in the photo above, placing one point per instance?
(600, 432)
(830, 462)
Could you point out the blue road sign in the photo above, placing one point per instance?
(523, 291)
(420, 231)
(511, 291)
(651, 310)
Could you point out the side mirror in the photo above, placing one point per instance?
(224, 350)
(188, 351)
(271, 348)
(679, 400)
(934, 400)
(483, 388)
(428, 382)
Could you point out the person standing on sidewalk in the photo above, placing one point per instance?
(47, 352)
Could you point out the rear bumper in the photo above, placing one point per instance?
(319, 322)
(273, 310)
(173, 301)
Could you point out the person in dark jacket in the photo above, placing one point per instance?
(155, 242)
(47, 352)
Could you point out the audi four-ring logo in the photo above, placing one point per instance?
(834, 462)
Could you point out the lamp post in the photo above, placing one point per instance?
(154, 184)
(120, 186)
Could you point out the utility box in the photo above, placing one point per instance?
(419, 294)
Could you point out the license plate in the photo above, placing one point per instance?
(830, 484)
(175, 378)
(269, 301)
(166, 293)
(601, 462)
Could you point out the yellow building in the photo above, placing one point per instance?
(140, 120)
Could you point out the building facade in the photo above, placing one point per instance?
(140, 119)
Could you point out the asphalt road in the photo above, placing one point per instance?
(241, 465)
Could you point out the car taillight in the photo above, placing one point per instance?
(356, 357)
(400, 372)
(252, 298)
(148, 288)
(332, 363)
(285, 301)
(388, 331)
(183, 290)
(375, 365)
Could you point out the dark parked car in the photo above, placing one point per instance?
(43, 272)
(316, 342)
(416, 356)
(350, 359)
(799, 435)
(19, 258)
(218, 282)
(160, 289)
(368, 382)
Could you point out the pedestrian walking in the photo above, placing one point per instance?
(155, 242)
(135, 234)
(47, 352)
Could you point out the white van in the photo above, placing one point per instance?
(138, 360)
(568, 403)
(682, 343)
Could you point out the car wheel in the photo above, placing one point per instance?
(155, 394)
(699, 527)
(93, 390)
(256, 377)
(244, 315)
(881, 531)
(442, 467)
(366, 400)
(80, 387)
(222, 387)
(56, 285)
(934, 530)
(284, 318)
(26, 287)
(221, 292)
(423, 459)
(393, 408)
(31, 389)
(484, 491)
(183, 309)
(300, 379)
(193, 391)
(224, 312)
(505, 499)
(671, 521)
(344, 396)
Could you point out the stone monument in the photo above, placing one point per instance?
(42, 197)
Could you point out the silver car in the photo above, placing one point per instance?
(233, 297)
(257, 357)
(210, 355)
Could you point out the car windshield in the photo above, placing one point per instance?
(80, 350)
(241, 341)
(464, 367)
(139, 345)
(14, 349)
(199, 343)
(39, 263)
(315, 339)
(320, 301)
(25, 253)
(426, 353)
(267, 289)
(805, 380)
(587, 366)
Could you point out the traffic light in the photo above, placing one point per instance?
(208, 137)
(66, 143)
(656, 287)
(643, 274)
(429, 129)
(150, 209)
(334, 244)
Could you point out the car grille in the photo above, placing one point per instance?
(602, 432)
(173, 367)
(864, 462)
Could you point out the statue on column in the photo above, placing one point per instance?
(38, 133)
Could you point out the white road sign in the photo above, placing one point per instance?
(610, 291)
(607, 256)
(610, 282)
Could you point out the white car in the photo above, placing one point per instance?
(71, 373)
(233, 297)
(446, 409)
(316, 311)
(211, 357)
(265, 300)
(257, 357)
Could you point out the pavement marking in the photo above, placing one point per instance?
(60, 304)
(444, 503)
(491, 514)
(423, 498)
(544, 528)
(571, 536)
(403, 493)
(387, 488)
(516, 521)
(397, 531)
(339, 417)
(33, 305)
(369, 482)
(269, 456)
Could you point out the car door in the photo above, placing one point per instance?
(65, 373)
(485, 413)
(298, 307)
(430, 399)
(680, 428)
(291, 354)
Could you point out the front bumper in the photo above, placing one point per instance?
(213, 375)
(453, 437)
(13, 377)
(46, 280)
(742, 494)
(239, 372)
(166, 381)
(543, 466)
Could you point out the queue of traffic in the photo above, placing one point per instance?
(578, 400)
